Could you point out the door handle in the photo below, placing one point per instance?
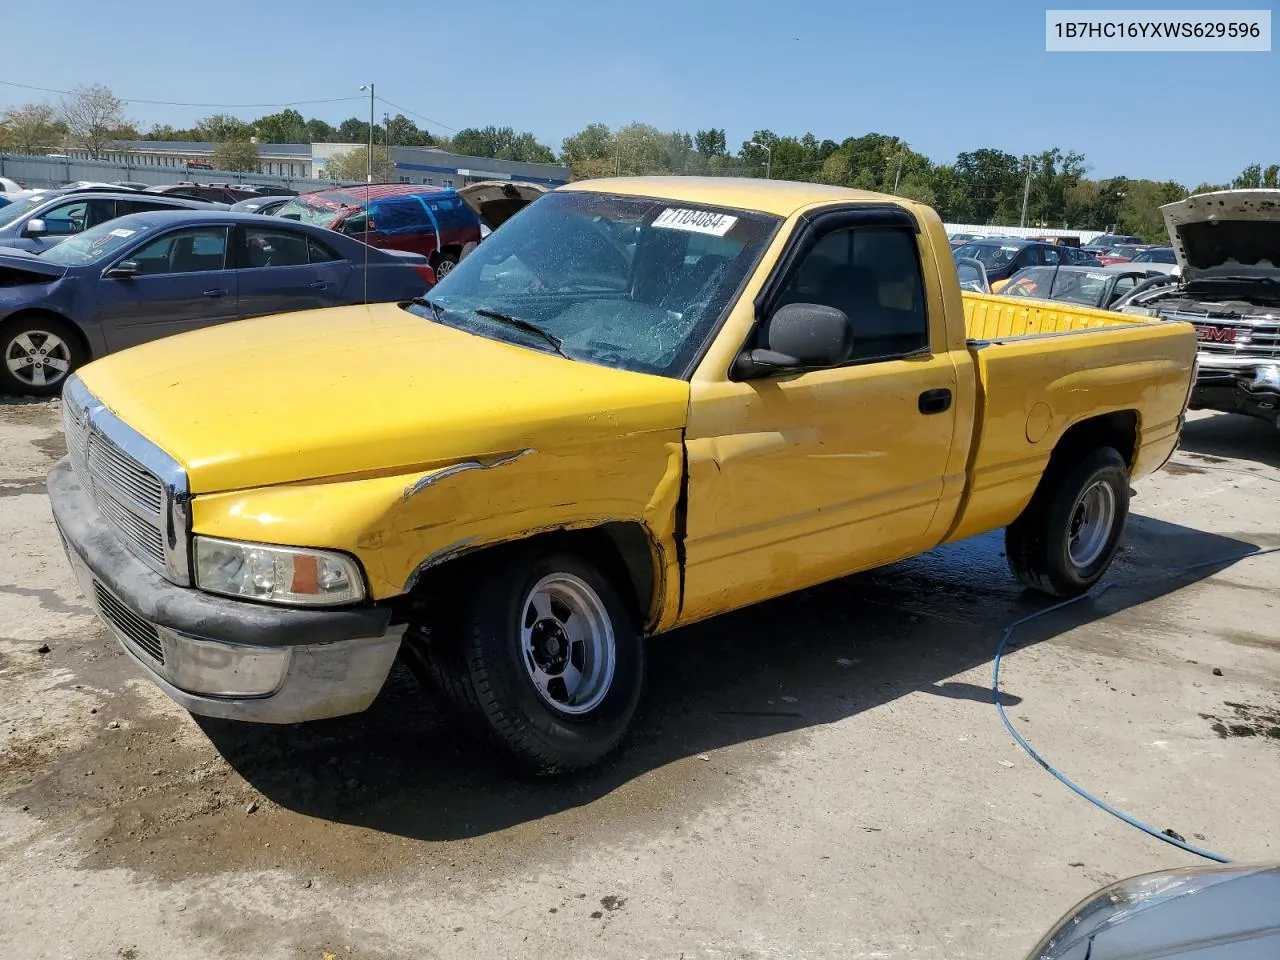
(216, 292)
(935, 401)
(319, 285)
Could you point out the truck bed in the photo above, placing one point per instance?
(988, 316)
(1042, 367)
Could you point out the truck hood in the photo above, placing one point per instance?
(1232, 233)
(364, 391)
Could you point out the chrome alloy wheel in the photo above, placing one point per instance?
(1091, 521)
(567, 644)
(38, 358)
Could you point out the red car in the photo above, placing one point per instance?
(432, 221)
(1121, 254)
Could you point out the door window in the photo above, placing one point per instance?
(1051, 255)
(72, 218)
(873, 275)
(184, 251)
(272, 248)
(319, 253)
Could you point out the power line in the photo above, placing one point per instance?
(177, 103)
(411, 113)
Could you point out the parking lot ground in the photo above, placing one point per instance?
(823, 776)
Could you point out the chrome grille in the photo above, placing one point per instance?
(139, 634)
(1246, 339)
(110, 467)
(137, 488)
(144, 534)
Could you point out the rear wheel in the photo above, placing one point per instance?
(1066, 538)
(445, 263)
(39, 353)
(543, 652)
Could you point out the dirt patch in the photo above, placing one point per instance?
(53, 446)
(1182, 469)
(1207, 458)
(1246, 720)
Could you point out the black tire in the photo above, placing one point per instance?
(472, 654)
(444, 263)
(1038, 544)
(43, 332)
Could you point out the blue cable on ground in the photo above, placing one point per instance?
(1048, 767)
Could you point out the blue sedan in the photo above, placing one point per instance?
(150, 275)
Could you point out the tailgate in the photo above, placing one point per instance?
(1043, 367)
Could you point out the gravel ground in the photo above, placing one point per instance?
(821, 776)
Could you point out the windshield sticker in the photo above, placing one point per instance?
(1096, 276)
(695, 221)
(1008, 249)
(123, 233)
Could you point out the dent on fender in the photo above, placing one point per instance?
(443, 474)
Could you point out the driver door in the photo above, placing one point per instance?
(799, 478)
(184, 282)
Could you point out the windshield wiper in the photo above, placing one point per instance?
(556, 343)
(430, 305)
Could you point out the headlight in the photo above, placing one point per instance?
(288, 575)
(1070, 939)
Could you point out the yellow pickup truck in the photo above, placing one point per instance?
(640, 403)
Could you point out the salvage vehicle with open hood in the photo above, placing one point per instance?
(637, 404)
(1228, 249)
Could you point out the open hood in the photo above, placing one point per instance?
(497, 201)
(18, 267)
(1230, 233)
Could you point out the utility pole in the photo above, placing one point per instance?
(369, 87)
(897, 176)
(1026, 194)
(386, 141)
(768, 157)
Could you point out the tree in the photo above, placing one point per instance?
(405, 133)
(222, 128)
(32, 128)
(353, 165)
(711, 143)
(1271, 176)
(93, 116)
(501, 143)
(991, 182)
(166, 132)
(320, 132)
(1250, 178)
(354, 130)
(238, 155)
(287, 126)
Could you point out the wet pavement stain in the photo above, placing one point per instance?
(1246, 720)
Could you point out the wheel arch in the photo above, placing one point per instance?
(626, 551)
(1118, 429)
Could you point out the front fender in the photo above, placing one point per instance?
(399, 526)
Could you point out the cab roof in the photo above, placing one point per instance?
(779, 197)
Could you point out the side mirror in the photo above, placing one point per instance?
(36, 228)
(124, 270)
(800, 336)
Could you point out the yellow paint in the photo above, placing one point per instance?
(407, 443)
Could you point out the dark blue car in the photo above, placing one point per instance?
(150, 275)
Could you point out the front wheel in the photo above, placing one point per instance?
(542, 651)
(1065, 539)
(39, 353)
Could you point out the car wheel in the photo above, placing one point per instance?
(1065, 539)
(39, 353)
(445, 263)
(542, 652)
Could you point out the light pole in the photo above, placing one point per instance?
(768, 157)
(1026, 195)
(386, 147)
(369, 87)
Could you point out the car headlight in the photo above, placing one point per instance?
(1071, 937)
(288, 575)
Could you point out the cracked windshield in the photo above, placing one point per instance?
(626, 282)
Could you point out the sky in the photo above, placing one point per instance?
(944, 75)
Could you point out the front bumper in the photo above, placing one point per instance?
(219, 657)
(1247, 385)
